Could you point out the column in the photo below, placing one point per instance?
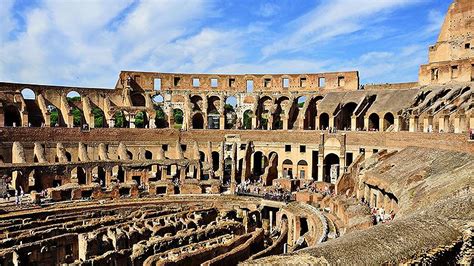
(396, 124)
(413, 123)
(222, 122)
(284, 118)
(353, 122)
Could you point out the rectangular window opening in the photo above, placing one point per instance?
(302, 148)
(287, 148)
(322, 82)
(184, 147)
(467, 46)
(454, 71)
(231, 82)
(434, 74)
(196, 82)
(157, 84)
(214, 83)
(341, 81)
(249, 86)
(267, 83)
(177, 81)
(164, 147)
(286, 83)
(302, 82)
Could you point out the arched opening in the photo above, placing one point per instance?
(310, 115)
(374, 122)
(213, 114)
(287, 166)
(68, 156)
(196, 102)
(19, 180)
(202, 157)
(55, 116)
(302, 169)
(138, 99)
(247, 123)
(129, 155)
(99, 117)
(74, 100)
(141, 120)
(98, 175)
(35, 115)
(118, 173)
(178, 117)
(12, 116)
(80, 174)
(331, 168)
(323, 121)
(227, 169)
(263, 112)
(119, 120)
(198, 121)
(230, 108)
(258, 163)
(388, 121)
(160, 117)
(148, 155)
(343, 120)
(215, 161)
(28, 94)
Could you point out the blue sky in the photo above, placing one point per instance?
(87, 43)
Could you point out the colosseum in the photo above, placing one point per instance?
(214, 169)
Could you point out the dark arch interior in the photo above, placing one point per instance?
(330, 160)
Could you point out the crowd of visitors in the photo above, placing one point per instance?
(277, 194)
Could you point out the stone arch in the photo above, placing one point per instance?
(230, 114)
(311, 113)
(287, 167)
(79, 173)
(119, 120)
(12, 116)
(374, 122)
(178, 118)
(247, 119)
(213, 104)
(118, 173)
(202, 156)
(215, 160)
(74, 99)
(141, 119)
(259, 163)
(198, 121)
(68, 156)
(323, 121)
(331, 168)
(99, 175)
(129, 155)
(28, 94)
(99, 117)
(56, 118)
(160, 117)
(138, 99)
(148, 155)
(388, 121)
(343, 121)
(302, 169)
(197, 102)
(35, 115)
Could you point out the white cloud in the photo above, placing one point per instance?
(328, 20)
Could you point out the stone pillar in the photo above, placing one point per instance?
(131, 121)
(459, 123)
(331, 121)
(427, 122)
(222, 122)
(353, 122)
(366, 193)
(396, 124)
(182, 172)
(413, 123)
(321, 158)
(366, 123)
(254, 121)
(163, 169)
(270, 214)
(285, 118)
(381, 124)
